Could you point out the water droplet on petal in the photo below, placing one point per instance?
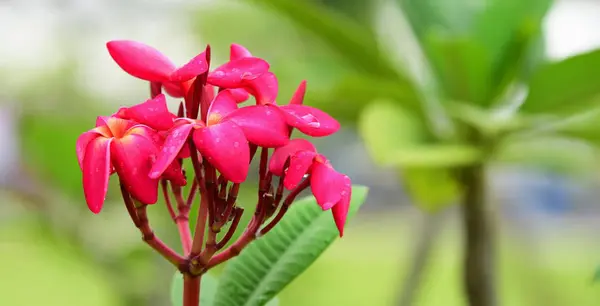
(236, 144)
(218, 74)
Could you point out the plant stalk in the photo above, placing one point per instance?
(191, 290)
(479, 276)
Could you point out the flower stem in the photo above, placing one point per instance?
(139, 217)
(234, 249)
(182, 220)
(191, 290)
(479, 251)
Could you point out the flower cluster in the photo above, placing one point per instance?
(220, 131)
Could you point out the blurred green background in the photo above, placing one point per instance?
(56, 77)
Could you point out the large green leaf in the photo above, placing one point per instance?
(553, 153)
(267, 265)
(395, 137)
(564, 86)
(503, 26)
(462, 65)
(454, 17)
(208, 288)
(351, 40)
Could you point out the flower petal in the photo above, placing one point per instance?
(223, 104)
(264, 88)
(82, 142)
(298, 97)
(174, 89)
(327, 184)
(171, 148)
(281, 154)
(340, 210)
(233, 73)
(96, 172)
(174, 173)
(238, 51)
(153, 113)
(263, 125)
(310, 121)
(300, 164)
(195, 67)
(140, 60)
(226, 148)
(132, 156)
(102, 120)
(240, 95)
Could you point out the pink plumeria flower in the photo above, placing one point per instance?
(223, 139)
(331, 189)
(124, 145)
(307, 119)
(146, 63)
(246, 74)
(153, 113)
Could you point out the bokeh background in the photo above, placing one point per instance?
(56, 77)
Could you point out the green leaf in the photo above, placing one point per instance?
(351, 40)
(354, 90)
(565, 85)
(431, 188)
(395, 137)
(462, 65)
(553, 153)
(435, 156)
(585, 126)
(454, 17)
(486, 121)
(506, 25)
(267, 265)
(208, 288)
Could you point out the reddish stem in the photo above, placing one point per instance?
(200, 227)
(165, 191)
(233, 250)
(140, 218)
(237, 216)
(192, 194)
(264, 158)
(191, 290)
(182, 220)
(286, 204)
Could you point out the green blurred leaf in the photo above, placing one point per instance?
(351, 40)
(506, 26)
(565, 85)
(355, 91)
(486, 121)
(462, 65)
(431, 188)
(208, 289)
(435, 155)
(453, 17)
(395, 137)
(553, 153)
(267, 265)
